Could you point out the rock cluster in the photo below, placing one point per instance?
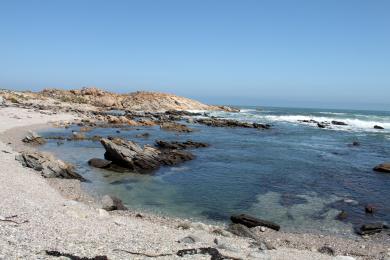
(215, 122)
(47, 165)
(33, 138)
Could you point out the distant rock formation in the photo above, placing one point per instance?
(136, 101)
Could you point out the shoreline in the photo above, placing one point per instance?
(308, 243)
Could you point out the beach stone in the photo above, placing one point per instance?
(99, 163)
(103, 213)
(77, 136)
(262, 229)
(189, 239)
(241, 231)
(326, 250)
(384, 167)
(251, 221)
(221, 232)
(111, 203)
(342, 215)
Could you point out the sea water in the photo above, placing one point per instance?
(295, 173)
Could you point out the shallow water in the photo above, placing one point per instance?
(295, 174)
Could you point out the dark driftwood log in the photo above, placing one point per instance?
(250, 222)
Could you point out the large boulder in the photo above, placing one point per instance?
(250, 221)
(384, 167)
(130, 155)
(48, 166)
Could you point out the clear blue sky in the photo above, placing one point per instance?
(333, 53)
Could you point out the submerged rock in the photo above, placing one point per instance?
(47, 165)
(179, 145)
(111, 203)
(99, 163)
(169, 126)
(384, 167)
(370, 229)
(250, 221)
(33, 138)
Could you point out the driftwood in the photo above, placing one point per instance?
(213, 252)
(9, 219)
(75, 257)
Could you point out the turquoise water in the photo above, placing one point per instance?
(295, 174)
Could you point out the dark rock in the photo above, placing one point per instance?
(378, 127)
(143, 135)
(369, 209)
(355, 143)
(33, 138)
(74, 257)
(99, 163)
(250, 221)
(321, 125)
(181, 113)
(311, 121)
(111, 203)
(213, 252)
(241, 231)
(338, 123)
(173, 157)
(179, 145)
(214, 122)
(326, 250)
(384, 167)
(47, 165)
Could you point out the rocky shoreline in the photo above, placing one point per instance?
(173, 235)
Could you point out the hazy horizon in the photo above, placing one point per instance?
(322, 54)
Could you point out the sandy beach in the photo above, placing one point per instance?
(40, 215)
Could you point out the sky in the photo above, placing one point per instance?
(322, 53)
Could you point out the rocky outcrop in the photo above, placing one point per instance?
(136, 101)
(378, 127)
(130, 155)
(111, 203)
(179, 145)
(215, 122)
(384, 167)
(47, 165)
(250, 222)
(33, 138)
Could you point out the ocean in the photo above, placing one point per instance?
(295, 174)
